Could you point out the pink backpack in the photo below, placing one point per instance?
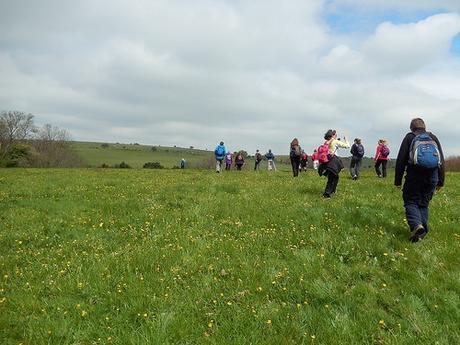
(384, 151)
(323, 153)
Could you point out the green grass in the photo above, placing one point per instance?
(138, 256)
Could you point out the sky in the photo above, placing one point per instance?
(254, 74)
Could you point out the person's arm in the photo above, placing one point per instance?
(403, 159)
(343, 144)
(377, 153)
(441, 169)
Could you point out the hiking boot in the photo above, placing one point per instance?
(417, 234)
(326, 195)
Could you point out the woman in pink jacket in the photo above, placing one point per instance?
(381, 158)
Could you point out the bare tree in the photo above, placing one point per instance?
(52, 133)
(14, 126)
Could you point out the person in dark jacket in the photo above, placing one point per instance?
(357, 151)
(420, 183)
(257, 160)
(294, 154)
(332, 168)
(239, 160)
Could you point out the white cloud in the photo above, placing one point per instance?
(405, 48)
(254, 74)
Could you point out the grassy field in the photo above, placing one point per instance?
(94, 154)
(113, 256)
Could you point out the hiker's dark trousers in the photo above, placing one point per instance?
(418, 191)
(295, 163)
(256, 165)
(383, 163)
(331, 185)
(355, 166)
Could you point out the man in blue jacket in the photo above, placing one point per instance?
(219, 152)
(421, 157)
(357, 151)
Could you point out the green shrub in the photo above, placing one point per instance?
(153, 165)
(122, 165)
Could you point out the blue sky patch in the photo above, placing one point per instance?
(352, 20)
(455, 47)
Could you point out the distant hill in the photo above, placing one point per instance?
(95, 154)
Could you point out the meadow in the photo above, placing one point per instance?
(137, 256)
(96, 154)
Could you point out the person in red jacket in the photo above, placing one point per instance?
(381, 158)
(303, 161)
(314, 158)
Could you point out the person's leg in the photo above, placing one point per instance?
(377, 168)
(358, 167)
(384, 168)
(412, 196)
(217, 165)
(352, 167)
(413, 214)
(431, 182)
(293, 167)
(329, 185)
(424, 217)
(354, 170)
(336, 182)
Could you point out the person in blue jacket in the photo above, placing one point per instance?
(219, 152)
(271, 160)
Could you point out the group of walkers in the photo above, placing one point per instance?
(238, 158)
(299, 158)
(420, 157)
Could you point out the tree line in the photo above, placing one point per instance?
(23, 144)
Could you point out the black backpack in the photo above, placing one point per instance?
(358, 150)
(296, 151)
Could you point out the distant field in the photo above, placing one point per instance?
(112, 256)
(94, 154)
